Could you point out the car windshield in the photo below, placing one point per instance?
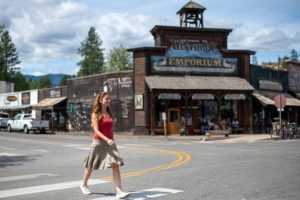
(3, 115)
(17, 117)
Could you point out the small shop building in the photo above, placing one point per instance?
(18, 102)
(81, 96)
(52, 106)
(190, 76)
(268, 84)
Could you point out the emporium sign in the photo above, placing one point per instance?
(196, 56)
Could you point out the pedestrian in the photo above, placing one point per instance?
(103, 151)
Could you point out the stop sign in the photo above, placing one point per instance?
(280, 101)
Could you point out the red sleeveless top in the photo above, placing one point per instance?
(105, 125)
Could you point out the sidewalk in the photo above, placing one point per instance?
(234, 138)
(203, 139)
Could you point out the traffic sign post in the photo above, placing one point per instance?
(280, 103)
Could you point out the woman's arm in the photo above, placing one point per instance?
(97, 131)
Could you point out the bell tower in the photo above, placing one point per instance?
(191, 15)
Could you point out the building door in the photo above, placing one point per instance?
(173, 121)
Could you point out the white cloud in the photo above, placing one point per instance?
(47, 33)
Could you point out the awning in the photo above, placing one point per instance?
(48, 103)
(13, 108)
(198, 83)
(267, 98)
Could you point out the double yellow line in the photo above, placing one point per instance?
(182, 158)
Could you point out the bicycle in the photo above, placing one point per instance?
(275, 132)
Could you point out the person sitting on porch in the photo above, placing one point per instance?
(223, 124)
(234, 125)
(182, 126)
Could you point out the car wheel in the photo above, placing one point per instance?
(8, 128)
(26, 130)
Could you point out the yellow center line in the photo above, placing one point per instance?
(182, 158)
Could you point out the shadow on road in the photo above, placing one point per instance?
(8, 161)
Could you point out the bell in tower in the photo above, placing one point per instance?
(191, 15)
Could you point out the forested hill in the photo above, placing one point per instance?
(55, 78)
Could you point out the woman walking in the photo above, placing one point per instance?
(103, 152)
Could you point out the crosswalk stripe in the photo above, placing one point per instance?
(145, 194)
(6, 148)
(46, 188)
(82, 148)
(9, 154)
(25, 177)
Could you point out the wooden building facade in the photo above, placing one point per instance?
(189, 76)
(269, 83)
(83, 90)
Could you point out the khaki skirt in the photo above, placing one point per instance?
(102, 156)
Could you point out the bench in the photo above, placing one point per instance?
(210, 133)
(158, 130)
(196, 131)
(238, 130)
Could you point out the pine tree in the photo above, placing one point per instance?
(92, 53)
(8, 56)
(64, 79)
(294, 55)
(45, 82)
(20, 82)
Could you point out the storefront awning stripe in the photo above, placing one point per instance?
(264, 100)
(48, 103)
(198, 83)
(267, 98)
(14, 107)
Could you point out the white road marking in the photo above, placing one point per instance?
(138, 145)
(9, 154)
(42, 150)
(24, 177)
(72, 145)
(82, 148)
(6, 148)
(145, 194)
(46, 188)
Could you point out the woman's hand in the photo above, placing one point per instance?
(110, 142)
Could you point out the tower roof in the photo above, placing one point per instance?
(191, 6)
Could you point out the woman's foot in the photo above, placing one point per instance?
(85, 189)
(122, 195)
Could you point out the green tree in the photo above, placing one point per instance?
(254, 60)
(64, 79)
(45, 82)
(118, 60)
(92, 53)
(294, 55)
(8, 56)
(20, 82)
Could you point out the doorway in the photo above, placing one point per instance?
(173, 121)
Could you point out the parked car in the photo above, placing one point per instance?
(24, 122)
(4, 117)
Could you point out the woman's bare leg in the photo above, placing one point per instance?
(117, 177)
(86, 175)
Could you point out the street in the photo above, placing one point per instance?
(49, 166)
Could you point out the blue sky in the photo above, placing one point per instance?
(47, 33)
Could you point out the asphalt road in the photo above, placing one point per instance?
(50, 167)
